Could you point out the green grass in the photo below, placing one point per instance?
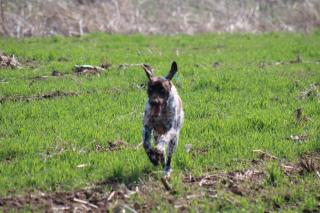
(234, 108)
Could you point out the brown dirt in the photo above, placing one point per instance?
(87, 70)
(312, 92)
(51, 95)
(248, 182)
(92, 199)
(111, 146)
(308, 163)
(196, 151)
(9, 61)
(235, 181)
(106, 65)
(56, 73)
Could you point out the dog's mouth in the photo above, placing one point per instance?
(156, 108)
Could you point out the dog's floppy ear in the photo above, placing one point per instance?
(148, 70)
(173, 71)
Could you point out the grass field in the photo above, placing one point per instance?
(240, 94)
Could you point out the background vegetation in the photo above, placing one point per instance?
(47, 17)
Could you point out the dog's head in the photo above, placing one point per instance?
(159, 88)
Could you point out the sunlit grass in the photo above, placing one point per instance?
(239, 94)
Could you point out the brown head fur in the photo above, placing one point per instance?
(159, 89)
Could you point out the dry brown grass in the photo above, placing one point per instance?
(75, 17)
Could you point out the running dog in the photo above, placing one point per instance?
(163, 118)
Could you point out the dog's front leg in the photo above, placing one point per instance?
(170, 138)
(171, 148)
(147, 145)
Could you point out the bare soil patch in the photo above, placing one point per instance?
(9, 61)
(312, 92)
(106, 65)
(51, 95)
(91, 199)
(112, 195)
(56, 73)
(111, 146)
(87, 69)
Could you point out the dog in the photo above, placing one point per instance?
(163, 118)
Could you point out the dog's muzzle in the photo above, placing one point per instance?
(157, 106)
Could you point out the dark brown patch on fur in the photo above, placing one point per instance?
(158, 93)
(160, 129)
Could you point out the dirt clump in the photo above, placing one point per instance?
(111, 146)
(106, 65)
(50, 95)
(263, 155)
(298, 138)
(214, 184)
(91, 199)
(87, 70)
(56, 73)
(313, 91)
(307, 163)
(212, 179)
(197, 151)
(9, 62)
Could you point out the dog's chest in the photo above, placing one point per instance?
(162, 123)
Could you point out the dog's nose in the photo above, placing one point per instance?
(155, 101)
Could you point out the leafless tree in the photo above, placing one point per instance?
(75, 17)
(2, 17)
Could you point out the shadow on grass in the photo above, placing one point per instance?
(120, 175)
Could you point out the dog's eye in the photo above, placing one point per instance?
(163, 90)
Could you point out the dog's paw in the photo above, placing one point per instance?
(160, 157)
(153, 158)
(167, 173)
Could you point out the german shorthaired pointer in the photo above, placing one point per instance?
(163, 118)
